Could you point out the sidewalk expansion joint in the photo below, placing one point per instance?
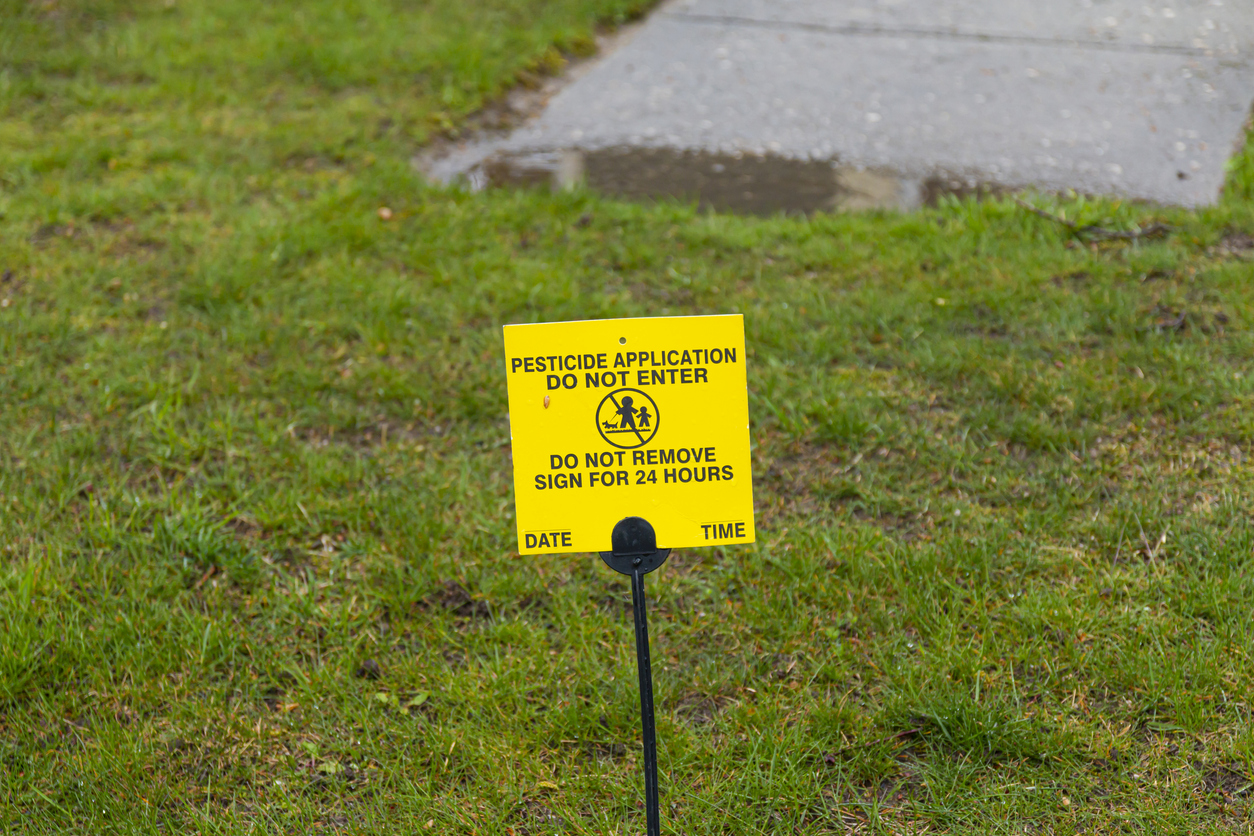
(923, 33)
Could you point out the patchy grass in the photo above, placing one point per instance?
(257, 566)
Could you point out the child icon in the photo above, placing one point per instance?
(628, 413)
(644, 417)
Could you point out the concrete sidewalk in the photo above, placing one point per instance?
(903, 99)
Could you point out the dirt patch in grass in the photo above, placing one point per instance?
(1074, 280)
(380, 432)
(1238, 244)
(785, 481)
(683, 562)
(810, 479)
(533, 816)
(698, 708)
(453, 598)
(905, 528)
(1228, 780)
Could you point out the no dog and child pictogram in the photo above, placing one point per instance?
(627, 434)
(629, 417)
(635, 425)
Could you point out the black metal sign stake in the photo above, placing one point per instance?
(635, 553)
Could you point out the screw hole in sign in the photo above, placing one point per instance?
(622, 341)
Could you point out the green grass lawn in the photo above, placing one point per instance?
(258, 570)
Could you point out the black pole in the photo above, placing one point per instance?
(635, 553)
(646, 704)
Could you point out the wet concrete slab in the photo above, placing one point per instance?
(750, 184)
(805, 105)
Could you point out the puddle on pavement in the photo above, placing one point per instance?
(742, 184)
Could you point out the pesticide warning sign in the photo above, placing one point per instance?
(630, 417)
